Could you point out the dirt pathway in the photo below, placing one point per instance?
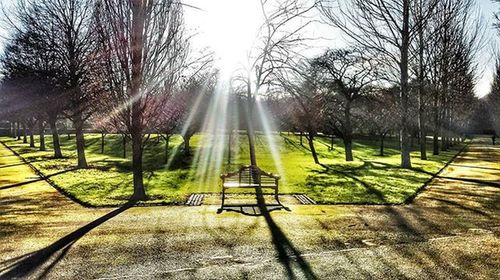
(450, 231)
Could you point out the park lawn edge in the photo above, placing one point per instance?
(412, 197)
(178, 202)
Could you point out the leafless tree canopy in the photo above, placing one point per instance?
(163, 59)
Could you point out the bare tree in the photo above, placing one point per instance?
(380, 121)
(457, 39)
(418, 50)
(277, 42)
(31, 70)
(306, 109)
(493, 99)
(68, 34)
(143, 50)
(347, 76)
(386, 28)
(195, 96)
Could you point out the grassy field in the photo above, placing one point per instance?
(108, 181)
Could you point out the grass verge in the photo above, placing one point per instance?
(369, 179)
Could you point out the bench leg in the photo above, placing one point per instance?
(223, 197)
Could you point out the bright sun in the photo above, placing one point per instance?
(229, 27)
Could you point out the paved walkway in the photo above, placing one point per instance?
(449, 232)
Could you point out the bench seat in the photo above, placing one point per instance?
(238, 185)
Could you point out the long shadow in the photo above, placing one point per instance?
(294, 144)
(252, 209)
(371, 189)
(282, 244)
(25, 266)
(461, 206)
(36, 180)
(17, 164)
(287, 253)
(478, 167)
(476, 181)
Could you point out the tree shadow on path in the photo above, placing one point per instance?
(289, 256)
(469, 180)
(25, 266)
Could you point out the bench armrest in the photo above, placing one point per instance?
(230, 174)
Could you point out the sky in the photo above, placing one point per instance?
(229, 28)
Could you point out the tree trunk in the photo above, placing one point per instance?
(187, 145)
(124, 145)
(102, 142)
(80, 141)
(250, 128)
(421, 103)
(348, 149)
(444, 131)
(348, 132)
(435, 132)
(310, 140)
(229, 145)
(137, 46)
(422, 133)
(405, 43)
(18, 131)
(42, 135)
(301, 143)
(382, 137)
(31, 132)
(331, 143)
(55, 138)
(25, 133)
(139, 190)
(167, 140)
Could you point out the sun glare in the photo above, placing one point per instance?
(229, 27)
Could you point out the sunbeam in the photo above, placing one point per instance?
(267, 126)
(208, 160)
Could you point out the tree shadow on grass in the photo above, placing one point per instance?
(18, 164)
(26, 265)
(351, 173)
(36, 180)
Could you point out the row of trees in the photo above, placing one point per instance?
(112, 64)
(410, 68)
(127, 67)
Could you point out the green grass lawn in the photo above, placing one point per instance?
(108, 181)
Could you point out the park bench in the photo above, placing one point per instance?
(249, 177)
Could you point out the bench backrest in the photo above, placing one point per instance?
(249, 175)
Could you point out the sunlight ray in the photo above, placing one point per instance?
(208, 160)
(267, 126)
